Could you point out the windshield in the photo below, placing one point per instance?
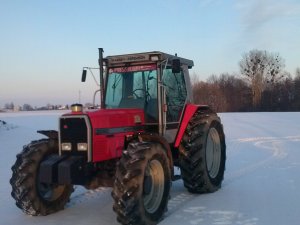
(132, 87)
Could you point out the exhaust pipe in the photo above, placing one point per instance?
(100, 61)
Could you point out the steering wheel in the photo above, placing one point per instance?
(146, 93)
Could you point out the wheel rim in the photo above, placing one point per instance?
(50, 192)
(213, 152)
(154, 184)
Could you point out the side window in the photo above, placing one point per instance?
(175, 93)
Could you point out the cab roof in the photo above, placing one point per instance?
(144, 57)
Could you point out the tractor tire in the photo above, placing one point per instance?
(32, 197)
(142, 184)
(203, 153)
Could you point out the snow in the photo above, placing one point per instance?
(261, 184)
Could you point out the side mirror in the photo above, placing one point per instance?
(83, 77)
(176, 66)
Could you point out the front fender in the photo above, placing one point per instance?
(52, 134)
(158, 139)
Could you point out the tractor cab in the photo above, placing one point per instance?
(156, 82)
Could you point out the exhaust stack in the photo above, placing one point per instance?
(100, 61)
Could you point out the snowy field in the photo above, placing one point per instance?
(261, 185)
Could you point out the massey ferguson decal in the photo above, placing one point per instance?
(129, 58)
(133, 68)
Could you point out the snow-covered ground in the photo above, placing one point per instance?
(261, 185)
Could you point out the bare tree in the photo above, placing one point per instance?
(261, 68)
(27, 107)
(224, 93)
(297, 90)
(298, 72)
(279, 96)
(209, 94)
(9, 106)
(236, 92)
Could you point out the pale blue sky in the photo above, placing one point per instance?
(44, 44)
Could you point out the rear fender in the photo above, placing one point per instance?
(189, 111)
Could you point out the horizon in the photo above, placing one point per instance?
(45, 45)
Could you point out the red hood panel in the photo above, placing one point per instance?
(108, 118)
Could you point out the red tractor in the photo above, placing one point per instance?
(147, 125)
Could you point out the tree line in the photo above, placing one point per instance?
(261, 85)
(27, 107)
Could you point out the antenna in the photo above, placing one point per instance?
(79, 96)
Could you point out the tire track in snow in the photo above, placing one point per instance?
(87, 195)
(272, 144)
(194, 215)
(176, 202)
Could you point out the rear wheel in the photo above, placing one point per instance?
(142, 184)
(32, 196)
(203, 153)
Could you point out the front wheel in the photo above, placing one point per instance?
(32, 196)
(142, 184)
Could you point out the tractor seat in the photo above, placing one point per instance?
(151, 110)
(132, 103)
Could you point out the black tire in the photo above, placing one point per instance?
(33, 197)
(203, 153)
(142, 184)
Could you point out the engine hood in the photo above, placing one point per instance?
(108, 118)
(114, 118)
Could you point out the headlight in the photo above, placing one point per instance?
(66, 146)
(82, 147)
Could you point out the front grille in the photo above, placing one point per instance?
(73, 130)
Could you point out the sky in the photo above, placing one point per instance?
(44, 44)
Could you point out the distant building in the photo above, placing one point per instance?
(17, 108)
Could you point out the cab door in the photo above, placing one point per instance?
(175, 98)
